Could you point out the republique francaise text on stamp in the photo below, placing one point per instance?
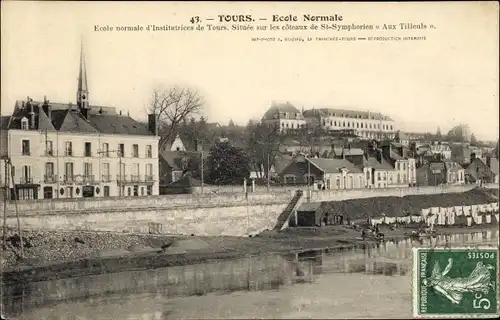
(455, 282)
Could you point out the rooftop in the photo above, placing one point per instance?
(356, 114)
(67, 118)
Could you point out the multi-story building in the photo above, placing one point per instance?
(481, 170)
(440, 172)
(284, 116)
(71, 151)
(442, 148)
(322, 173)
(363, 123)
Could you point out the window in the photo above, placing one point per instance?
(337, 183)
(26, 174)
(68, 171)
(149, 151)
(135, 150)
(122, 169)
(379, 176)
(136, 191)
(106, 191)
(26, 147)
(289, 179)
(49, 148)
(88, 149)
(48, 192)
(121, 150)
(49, 172)
(149, 172)
(87, 171)
(105, 149)
(69, 192)
(129, 191)
(68, 152)
(135, 172)
(149, 190)
(24, 124)
(105, 173)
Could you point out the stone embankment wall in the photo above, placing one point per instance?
(235, 214)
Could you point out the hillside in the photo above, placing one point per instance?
(400, 206)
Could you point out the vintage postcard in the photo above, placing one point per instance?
(229, 160)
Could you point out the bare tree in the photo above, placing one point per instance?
(263, 145)
(172, 106)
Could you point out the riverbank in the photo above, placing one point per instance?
(55, 255)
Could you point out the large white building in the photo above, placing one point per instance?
(362, 123)
(285, 116)
(72, 151)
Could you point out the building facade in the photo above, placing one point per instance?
(72, 151)
(364, 124)
(440, 172)
(322, 174)
(284, 116)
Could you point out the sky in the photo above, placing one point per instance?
(448, 79)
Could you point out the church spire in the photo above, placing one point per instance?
(82, 91)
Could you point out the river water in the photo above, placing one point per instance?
(348, 283)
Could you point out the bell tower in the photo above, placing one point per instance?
(82, 94)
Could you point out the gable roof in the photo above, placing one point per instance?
(67, 118)
(276, 110)
(372, 162)
(493, 164)
(334, 165)
(174, 159)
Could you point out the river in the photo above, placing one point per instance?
(348, 283)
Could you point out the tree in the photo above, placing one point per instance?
(473, 140)
(227, 164)
(172, 106)
(263, 143)
(231, 123)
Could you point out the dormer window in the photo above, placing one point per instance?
(24, 124)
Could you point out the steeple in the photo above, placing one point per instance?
(82, 94)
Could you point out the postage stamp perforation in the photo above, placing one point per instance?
(464, 290)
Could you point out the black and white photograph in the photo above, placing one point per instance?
(249, 160)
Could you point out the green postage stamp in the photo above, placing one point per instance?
(455, 282)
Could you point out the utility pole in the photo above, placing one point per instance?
(5, 198)
(268, 173)
(8, 162)
(308, 179)
(200, 147)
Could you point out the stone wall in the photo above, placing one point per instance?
(200, 214)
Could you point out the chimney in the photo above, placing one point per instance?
(46, 108)
(472, 156)
(32, 115)
(152, 127)
(488, 161)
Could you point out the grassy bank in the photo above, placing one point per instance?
(398, 206)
